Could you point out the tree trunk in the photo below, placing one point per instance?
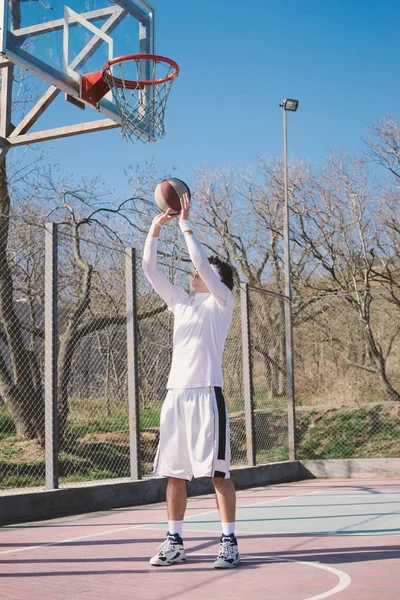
(22, 392)
(376, 353)
(380, 364)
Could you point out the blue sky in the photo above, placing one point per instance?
(238, 61)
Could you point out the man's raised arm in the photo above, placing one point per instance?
(157, 279)
(199, 258)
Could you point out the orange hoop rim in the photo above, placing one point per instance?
(131, 84)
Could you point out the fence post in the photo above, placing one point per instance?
(51, 356)
(247, 375)
(290, 377)
(132, 356)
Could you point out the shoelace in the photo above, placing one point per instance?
(165, 545)
(225, 550)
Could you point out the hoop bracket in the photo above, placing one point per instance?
(93, 87)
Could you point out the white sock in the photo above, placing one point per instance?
(175, 527)
(228, 528)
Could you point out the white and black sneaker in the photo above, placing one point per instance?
(228, 556)
(170, 552)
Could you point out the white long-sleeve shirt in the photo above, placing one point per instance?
(201, 322)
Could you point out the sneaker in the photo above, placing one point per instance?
(170, 552)
(228, 556)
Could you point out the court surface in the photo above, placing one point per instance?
(307, 540)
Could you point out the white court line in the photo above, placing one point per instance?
(356, 494)
(344, 578)
(141, 526)
(76, 539)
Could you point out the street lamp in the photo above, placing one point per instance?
(288, 105)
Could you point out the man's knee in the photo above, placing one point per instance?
(176, 482)
(221, 483)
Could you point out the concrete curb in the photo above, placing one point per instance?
(93, 496)
(351, 468)
(49, 504)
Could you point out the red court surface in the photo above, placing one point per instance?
(334, 539)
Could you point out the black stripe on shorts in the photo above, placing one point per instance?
(221, 423)
(219, 474)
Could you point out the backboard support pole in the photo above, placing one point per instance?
(58, 132)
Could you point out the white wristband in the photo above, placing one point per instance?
(185, 225)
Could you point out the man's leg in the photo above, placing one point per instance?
(226, 502)
(172, 550)
(225, 496)
(226, 499)
(176, 501)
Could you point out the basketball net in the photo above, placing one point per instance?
(140, 86)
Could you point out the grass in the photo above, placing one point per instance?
(108, 425)
(7, 427)
(97, 443)
(10, 451)
(277, 454)
(95, 474)
(150, 417)
(21, 481)
(361, 433)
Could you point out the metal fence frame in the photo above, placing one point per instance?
(51, 352)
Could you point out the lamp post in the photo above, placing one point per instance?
(288, 105)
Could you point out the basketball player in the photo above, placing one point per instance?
(194, 427)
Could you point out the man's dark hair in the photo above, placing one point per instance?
(225, 271)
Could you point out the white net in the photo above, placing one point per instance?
(140, 88)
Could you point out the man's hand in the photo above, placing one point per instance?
(159, 220)
(185, 204)
(164, 218)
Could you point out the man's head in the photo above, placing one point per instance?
(223, 269)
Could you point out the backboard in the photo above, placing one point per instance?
(58, 41)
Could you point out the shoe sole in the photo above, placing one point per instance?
(226, 565)
(168, 564)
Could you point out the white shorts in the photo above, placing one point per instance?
(194, 435)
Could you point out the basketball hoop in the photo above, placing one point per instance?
(140, 84)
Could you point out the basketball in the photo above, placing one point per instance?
(168, 193)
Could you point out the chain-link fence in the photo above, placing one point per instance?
(69, 360)
(92, 360)
(155, 324)
(22, 418)
(91, 439)
(232, 367)
(347, 373)
(269, 376)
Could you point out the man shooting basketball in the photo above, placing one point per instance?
(194, 427)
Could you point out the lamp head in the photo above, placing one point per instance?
(289, 104)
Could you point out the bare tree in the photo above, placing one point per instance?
(339, 225)
(383, 144)
(383, 148)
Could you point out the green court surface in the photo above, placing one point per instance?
(317, 512)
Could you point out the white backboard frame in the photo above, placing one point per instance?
(67, 80)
